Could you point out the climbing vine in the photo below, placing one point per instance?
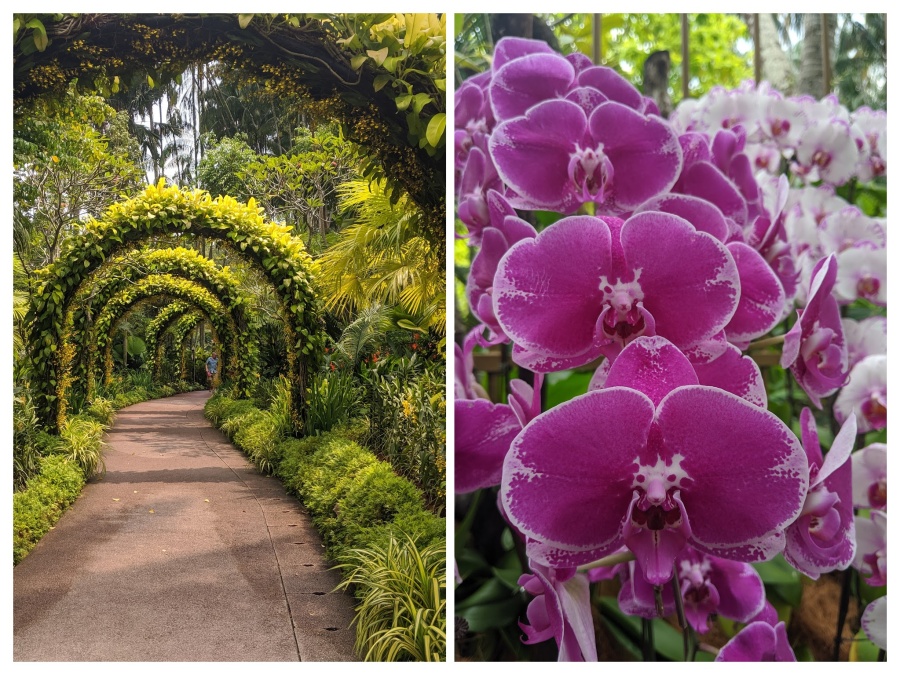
(160, 210)
(166, 285)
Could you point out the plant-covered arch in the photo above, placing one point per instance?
(168, 286)
(167, 318)
(162, 210)
(128, 268)
(381, 76)
(184, 325)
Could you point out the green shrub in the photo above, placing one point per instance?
(374, 496)
(26, 448)
(46, 495)
(332, 398)
(242, 419)
(423, 527)
(401, 615)
(407, 424)
(82, 442)
(260, 439)
(102, 410)
(324, 474)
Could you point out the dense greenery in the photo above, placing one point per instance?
(266, 186)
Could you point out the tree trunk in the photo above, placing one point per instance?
(776, 66)
(812, 68)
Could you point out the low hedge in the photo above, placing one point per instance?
(360, 506)
(45, 497)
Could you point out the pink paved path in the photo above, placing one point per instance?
(182, 552)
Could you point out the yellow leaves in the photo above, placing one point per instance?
(151, 511)
(115, 499)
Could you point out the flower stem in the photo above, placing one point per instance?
(842, 611)
(766, 342)
(647, 648)
(682, 620)
(608, 561)
(709, 649)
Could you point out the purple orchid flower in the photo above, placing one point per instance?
(865, 395)
(505, 229)
(871, 548)
(874, 622)
(870, 477)
(814, 347)
(473, 120)
(827, 152)
(557, 157)
(561, 609)
(479, 178)
(485, 430)
(701, 177)
(823, 538)
(657, 467)
(709, 585)
(758, 641)
(587, 286)
(762, 300)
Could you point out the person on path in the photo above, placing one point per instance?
(212, 366)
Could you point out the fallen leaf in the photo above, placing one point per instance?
(152, 511)
(206, 500)
(115, 500)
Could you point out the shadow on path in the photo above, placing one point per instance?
(183, 551)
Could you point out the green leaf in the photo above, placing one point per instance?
(357, 61)
(409, 325)
(495, 615)
(419, 101)
(380, 80)
(435, 131)
(244, 20)
(378, 56)
(39, 35)
(403, 101)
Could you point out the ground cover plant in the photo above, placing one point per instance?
(690, 451)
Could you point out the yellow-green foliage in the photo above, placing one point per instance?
(37, 508)
(162, 210)
(401, 588)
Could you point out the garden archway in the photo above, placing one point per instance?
(167, 286)
(126, 269)
(161, 209)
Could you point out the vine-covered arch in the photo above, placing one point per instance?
(180, 330)
(97, 290)
(165, 285)
(382, 92)
(168, 317)
(161, 209)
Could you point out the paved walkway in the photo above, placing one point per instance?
(182, 552)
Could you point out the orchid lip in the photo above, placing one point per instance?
(591, 172)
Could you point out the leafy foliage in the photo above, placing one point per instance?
(385, 258)
(37, 508)
(402, 592)
(161, 210)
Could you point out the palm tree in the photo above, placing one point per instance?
(383, 258)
